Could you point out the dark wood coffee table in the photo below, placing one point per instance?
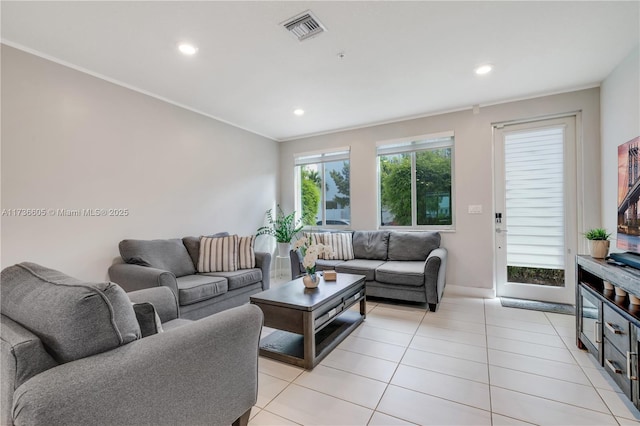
(310, 322)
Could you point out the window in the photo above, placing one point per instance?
(415, 179)
(323, 188)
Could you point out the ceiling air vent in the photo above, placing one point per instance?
(304, 26)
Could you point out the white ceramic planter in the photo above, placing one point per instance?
(283, 249)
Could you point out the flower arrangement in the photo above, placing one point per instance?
(310, 253)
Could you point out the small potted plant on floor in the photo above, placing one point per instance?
(283, 227)
(598, 242)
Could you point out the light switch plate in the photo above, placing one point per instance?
(475, 208)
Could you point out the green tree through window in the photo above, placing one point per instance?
(415, 181)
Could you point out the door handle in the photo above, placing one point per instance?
(611, 328)
(499, 231)
(596, 332)
(612, 367)
(629, 355)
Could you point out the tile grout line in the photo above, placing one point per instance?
(394, 372)
(484, 310)
(589, 378)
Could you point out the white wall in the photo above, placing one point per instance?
(471, 262)
(620, 118)
(72, 141)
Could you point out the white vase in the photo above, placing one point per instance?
(283, 249)
(311, 280)
(599, 249)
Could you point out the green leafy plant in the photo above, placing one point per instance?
(597, 234)
(282, 227)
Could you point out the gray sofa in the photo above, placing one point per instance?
(408, 266)
(72, 354)
(172, 263)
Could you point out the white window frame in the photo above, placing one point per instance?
(415, 144)
(319, 157)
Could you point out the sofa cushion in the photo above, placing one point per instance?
(327, 265)
(240, 278)
(192, 244)
(366, 267)
(412, 245)
(401, 272)
(341, 245)
(168, 255)
(196, 288)
(218, 254)
(246, 252)
(74, 319)
(371, 244)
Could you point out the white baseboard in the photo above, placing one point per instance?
(459, 290)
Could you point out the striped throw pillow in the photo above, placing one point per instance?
(316, 238)
(341, 245)
(246, 253)
(218, 254)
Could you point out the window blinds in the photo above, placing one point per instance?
(419, 143)
(534, 183)
(341, 154)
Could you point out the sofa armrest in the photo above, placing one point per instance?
(263, 261)
(296, 264)
(162, 299)
(435, 276)
(136, 277)
(202, 373)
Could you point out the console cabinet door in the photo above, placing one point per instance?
(590, 322)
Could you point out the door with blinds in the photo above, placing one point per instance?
(535, 210)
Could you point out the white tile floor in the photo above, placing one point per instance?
(471, 363)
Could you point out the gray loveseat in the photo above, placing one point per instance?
(172, 263)
(72, 353)
(407, 266)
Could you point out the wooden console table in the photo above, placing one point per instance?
(608, 326)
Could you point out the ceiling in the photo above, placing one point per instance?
(401, 59)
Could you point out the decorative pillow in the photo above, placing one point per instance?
(192, 244)
(73, 319)
(148, 319)
(341, 244)
(218, 254)
(246, 253)
(316, 238)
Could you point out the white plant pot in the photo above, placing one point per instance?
(599, 249)
(283, 249)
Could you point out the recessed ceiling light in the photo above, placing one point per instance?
(484, 69)
(187, 49)
(298, 112)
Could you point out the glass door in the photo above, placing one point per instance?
(535, 210)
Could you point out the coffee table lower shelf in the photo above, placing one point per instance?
(289, 347)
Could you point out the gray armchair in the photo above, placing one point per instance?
(194, 372)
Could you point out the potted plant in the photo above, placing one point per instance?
(598, 242)
(283, 228)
